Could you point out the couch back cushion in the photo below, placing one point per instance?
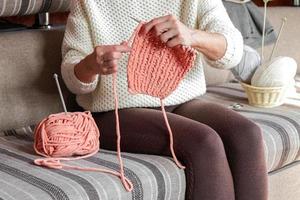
(26, 7)
(28, 60)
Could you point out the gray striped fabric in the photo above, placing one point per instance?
(28, 7)
(280, 125)
(154, 177)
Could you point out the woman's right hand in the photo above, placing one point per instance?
(104, 61)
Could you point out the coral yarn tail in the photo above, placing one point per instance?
(55, 163)
(171, 136)
(127, 184)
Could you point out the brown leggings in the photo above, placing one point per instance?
(223, 151)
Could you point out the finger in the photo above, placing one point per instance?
(103, 70)
(111, 56)
(125, 43)
(110, 64)
(175, 42)
(110, 71)
(165, 37)
(163, 27)
(106, 66)
(117, 48)
(148, 26)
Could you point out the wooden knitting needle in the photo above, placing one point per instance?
(60, 93)
(278, 37)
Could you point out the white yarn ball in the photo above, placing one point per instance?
(276, 73)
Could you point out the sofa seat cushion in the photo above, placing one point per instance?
(280, 125)
(154, 177)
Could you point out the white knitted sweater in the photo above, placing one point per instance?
(103, 22)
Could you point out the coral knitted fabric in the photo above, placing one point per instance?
(103, 22)
(154, 68)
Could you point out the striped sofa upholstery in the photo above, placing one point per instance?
(154, 177)
(280, 125)
(28, 7)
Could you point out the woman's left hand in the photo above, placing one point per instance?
(170, 30)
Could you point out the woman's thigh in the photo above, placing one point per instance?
(196, 145)
(242, 138)
(226, 122)
(144, 131)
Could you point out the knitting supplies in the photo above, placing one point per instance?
(273, 78)
(66, 135)
(284, 20)
(271, 82)
(276, 73)
(155, 69)
(264, 29)
(265, 97)
(71, 136)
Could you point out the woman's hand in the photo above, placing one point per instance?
(104, 60)
(171, 31)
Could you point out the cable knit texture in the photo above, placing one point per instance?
(105, 22)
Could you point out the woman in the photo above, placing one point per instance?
(222, 150)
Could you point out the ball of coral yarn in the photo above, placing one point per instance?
(66, 135)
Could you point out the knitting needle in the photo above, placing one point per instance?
(136, 20)
(60, 93)
(279, 34)
(264, 30)
(133, 35)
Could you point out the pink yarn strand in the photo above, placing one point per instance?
(127, 184)
(171, 136)
(55, 163)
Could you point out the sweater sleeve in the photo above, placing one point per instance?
(77, 44)
(214, 18)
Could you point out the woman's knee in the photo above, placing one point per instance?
(203, 141)
(247, 136)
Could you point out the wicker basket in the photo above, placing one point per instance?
(266, 97)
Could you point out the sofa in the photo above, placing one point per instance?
(28, 59)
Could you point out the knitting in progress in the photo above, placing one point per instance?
(153, 69)
(156, 70)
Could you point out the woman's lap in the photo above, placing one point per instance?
(143, 130)
(196, 145)
(203, 132)
(243, 144)
(147, 129)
